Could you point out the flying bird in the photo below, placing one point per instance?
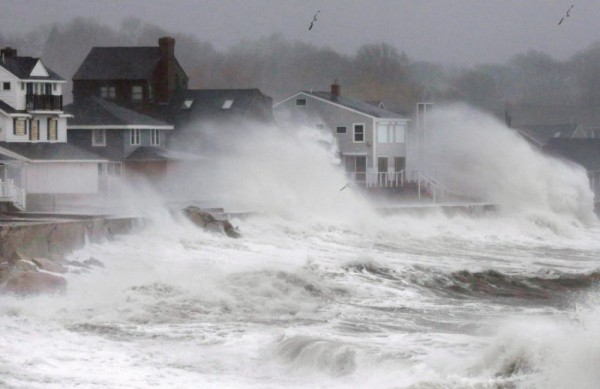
(314, 20)
(568, 13)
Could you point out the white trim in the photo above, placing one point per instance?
(67, 160)
(364, 134)
(402, 118)
(12, 154)
(355, 154)
(43, 80)
(117, 127)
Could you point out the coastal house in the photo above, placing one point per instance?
(372, 141)
(36, 162)
(119, 95)
(203, 116)
(139, 78)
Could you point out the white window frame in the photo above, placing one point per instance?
(354, 125)
(227, 104)
(383, 133)
(135, 137)
(337, 130)
(400, 133)
(95, 141)
(155, 137)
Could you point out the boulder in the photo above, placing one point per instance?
(49, 265)
(209, 222)
(24, 265)
(93, 262)
(27, 283)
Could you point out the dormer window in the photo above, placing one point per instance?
(187, 104)
(6, 86)
(155, 138)
(227, 104)
(134, 136)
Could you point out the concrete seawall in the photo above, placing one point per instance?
(56, 238)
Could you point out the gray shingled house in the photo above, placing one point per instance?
(372, 141)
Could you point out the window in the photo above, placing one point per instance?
(134, 136)
(400, 133)
(6, 85)
(227, 104)
(34, 133)
(54, 87)
(99, 137)
(114, 169)
(52, 129)
(20, 127)
(359, 132)
(399, 164)
(150, 93)
(319, 126)
(187, 104)
(108, 92)
(301, 102)
(340, 130)
(137, 93)
(382, 133)
(155, 138)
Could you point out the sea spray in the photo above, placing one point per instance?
(477, 155)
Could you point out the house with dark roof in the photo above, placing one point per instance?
(135, 77)
(372, 141)
(35, 158)
(131, 143)
(203, 115)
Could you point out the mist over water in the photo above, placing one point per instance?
(476, 154)
(323, 291)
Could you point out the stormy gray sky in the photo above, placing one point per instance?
(462, 32)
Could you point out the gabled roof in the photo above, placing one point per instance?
(541, 134)
(524, 115)
(49, 151)
(147, 153)
(22, 67)
(118, 63)
(217, 104)
(94, 111)
(352, 104)
(6, 108)
(585, 152)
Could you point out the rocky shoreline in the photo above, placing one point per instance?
(32, 253)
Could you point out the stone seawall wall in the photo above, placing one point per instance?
(58, 238)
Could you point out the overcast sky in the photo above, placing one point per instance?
(447, 31)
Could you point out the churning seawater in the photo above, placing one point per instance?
(426, 301)
(324, 291)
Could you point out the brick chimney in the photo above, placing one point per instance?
(335, 89)
(7, 52)
(165, 82)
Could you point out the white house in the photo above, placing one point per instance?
(35, 158)
(372, 141)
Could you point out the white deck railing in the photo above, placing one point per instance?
(10, 192)
(377, 180)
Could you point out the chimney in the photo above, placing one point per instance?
(7, 52)
(166, 83)
(335, 89)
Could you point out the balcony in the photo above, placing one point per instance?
(43, 103)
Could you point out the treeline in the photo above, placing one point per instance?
(375, 72)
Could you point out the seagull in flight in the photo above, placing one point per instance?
(566, 15)
(314, 20)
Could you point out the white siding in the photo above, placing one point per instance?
(10, 96)
(5, 127)
(39, 70)
(62, 177)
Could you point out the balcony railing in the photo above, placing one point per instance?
(43, 102)
(10, 192)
